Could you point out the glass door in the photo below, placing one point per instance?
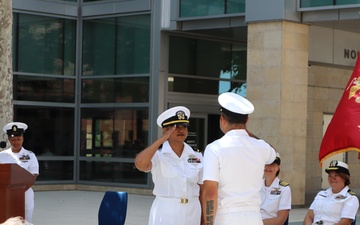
(197, 132)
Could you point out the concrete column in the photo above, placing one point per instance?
(6, 92)
(277, 76)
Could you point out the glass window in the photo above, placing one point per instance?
(311, 3)
(347, 2)
(202, 86)
(196, 137)
(235, 6)
(111, 172)
(129, 89)
(51, 170)
(116, 46)
(44, 45)
(46, 89)
(195, 8)
(207, 67)
(50, 131)
(113, 132)
(192, 8)
(67, 0)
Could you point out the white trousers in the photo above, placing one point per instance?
(29, 204)
(170, 211)
(252, 217)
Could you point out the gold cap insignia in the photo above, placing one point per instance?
(14, 128)
(180, 115)
(333, 163)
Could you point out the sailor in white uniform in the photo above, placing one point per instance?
(336, 205)
(234, 167)
(275, 195)
(176, 170)
(24, 158)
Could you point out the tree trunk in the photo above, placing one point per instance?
(6, 75)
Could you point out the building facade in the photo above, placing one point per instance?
(90, 78)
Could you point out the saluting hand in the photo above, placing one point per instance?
(168, 132)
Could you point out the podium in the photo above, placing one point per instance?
(13, 182)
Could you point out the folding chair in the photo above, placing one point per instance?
(354, 222)
(113, 207)
(286, 221)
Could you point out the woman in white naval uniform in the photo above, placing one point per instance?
(275, 195)
(176, 172)
(24, 158)
(336, 205)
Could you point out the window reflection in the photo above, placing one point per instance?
(130, 89)
(51, 129)
(310, 3)
(44, 45)
(116, 46)
(46, 89)
(238, 88)
(55, 170)
(113, 132)
(196, 8)
(69, 0)
(206, 67)
(111, 172)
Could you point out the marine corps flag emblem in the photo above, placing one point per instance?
(343, 132)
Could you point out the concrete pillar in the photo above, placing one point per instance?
(6, 92)
(277, 76)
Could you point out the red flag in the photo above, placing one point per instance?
(343, 132)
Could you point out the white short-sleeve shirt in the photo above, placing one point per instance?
(24, 158)
(330, 208)
(236, 161)
(175, 176)
(274, 198)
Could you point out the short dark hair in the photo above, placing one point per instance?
(278, 172)
(345, 177)
(234, 118)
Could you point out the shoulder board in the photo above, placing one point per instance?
(195, 149)
(283, 183)
(351, 192)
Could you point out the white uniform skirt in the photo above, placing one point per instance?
(170, 211)
(29, 204)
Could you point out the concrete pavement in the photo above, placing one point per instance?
(81, 208)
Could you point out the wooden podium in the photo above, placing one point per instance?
(13, 182)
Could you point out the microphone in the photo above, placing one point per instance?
(2, 144)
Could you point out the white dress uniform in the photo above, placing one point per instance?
(236, 161)
(330, 208)
(274, 198)
(27, 160)
(176, 187)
